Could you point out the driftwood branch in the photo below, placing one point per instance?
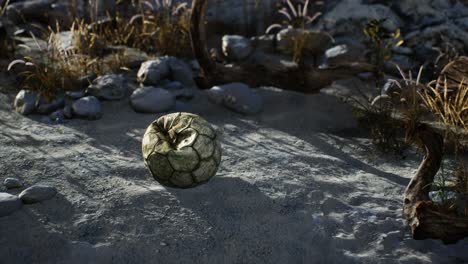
(424, 217)
(302, 78)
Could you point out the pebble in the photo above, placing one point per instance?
(37, 193)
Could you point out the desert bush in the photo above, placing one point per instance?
(160, 27)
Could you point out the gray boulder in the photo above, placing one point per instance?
(153, 71)
(9, 204)
(237, 97)
(25, 102)
(181, 72)
(37, 193)
(236, 47)
(179, 90)
(87, 107)
(152, 100)
(109, 87)
(12, 183)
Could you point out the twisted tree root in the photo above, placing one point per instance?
(424, 217)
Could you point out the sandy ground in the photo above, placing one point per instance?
(298, 183)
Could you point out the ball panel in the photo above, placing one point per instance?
(186, 138)
(203, 127)
(204, 146)
(206, 170)
(160, 167)
(150, 139)
(182, 179)
(185, 159)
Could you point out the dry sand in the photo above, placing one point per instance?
(299, 183)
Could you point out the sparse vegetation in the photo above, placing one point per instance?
(377, 111)
(451, 110)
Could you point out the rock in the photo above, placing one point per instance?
(238, 97)
(315, 42)
(87, 107)
(12, 183)
(57, 116)
(265, 43)
(25, 102)
(344, 53)
(350, 15)
(37, 193)
(426, 11)
(178, 89)
(236, 47)
(9, 204)
(109, 87)
(181, 72)
(153, 71)
(68, 112)
(43, 106)
(152, 100)
(172, 85)
(74, 95)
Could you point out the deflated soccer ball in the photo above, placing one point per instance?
(181, 150)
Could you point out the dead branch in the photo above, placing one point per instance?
(424, 217)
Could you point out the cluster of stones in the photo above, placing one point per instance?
(10, 203)
(181, 150)
(167, 84)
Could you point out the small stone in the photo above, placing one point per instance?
(236, 47)
(37, 193)
(163, 244)
(25, 102)
(87, 107)
(11, 183)
(109, 87)
(57, 116)
(9, 204)
(152, 100)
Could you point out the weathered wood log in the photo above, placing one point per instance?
(302, 78)
(424, 217)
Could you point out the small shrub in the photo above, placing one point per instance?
(380, 42)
